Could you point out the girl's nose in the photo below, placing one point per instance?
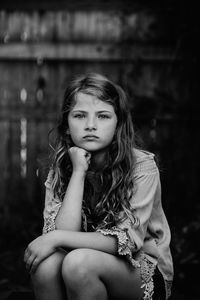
(91, 124)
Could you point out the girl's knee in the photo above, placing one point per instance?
(77, 267)
(48, 270)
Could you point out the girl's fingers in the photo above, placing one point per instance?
(29, 262)
(88, 157)
(34, 265)
(88, 154)
(27, 254)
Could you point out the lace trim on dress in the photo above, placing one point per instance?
(49, 225)
(147, 271)
(50, 214)
(125, 246)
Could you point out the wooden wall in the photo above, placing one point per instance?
(40, 52)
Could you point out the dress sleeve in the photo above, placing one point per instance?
(51, 207)
(131, 235)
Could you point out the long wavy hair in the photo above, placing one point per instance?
(115, 184)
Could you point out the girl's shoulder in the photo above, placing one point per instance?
(144, 161)
(143, 155)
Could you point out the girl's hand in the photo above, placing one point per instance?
(38, 250)
(80, 158)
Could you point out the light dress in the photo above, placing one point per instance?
(145, 246)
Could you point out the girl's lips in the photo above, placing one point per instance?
(90, 137)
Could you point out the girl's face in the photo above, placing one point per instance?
(92, 123)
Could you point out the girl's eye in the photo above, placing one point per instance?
(102, 116)
(79, 116)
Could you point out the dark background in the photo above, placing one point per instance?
(152, 51)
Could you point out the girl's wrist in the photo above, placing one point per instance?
(56, 238)
(60, 236)
(78, 172)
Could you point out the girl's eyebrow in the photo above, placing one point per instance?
(85, 111)
(104, 111)
(78, 110)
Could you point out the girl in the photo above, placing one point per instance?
(105, 234)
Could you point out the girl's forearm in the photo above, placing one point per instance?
(92, 240)
(69, 215)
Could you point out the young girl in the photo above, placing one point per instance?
(105, 234)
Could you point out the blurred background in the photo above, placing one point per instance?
(151, 49)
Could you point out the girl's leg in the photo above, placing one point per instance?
(90, 274)
(47, 280)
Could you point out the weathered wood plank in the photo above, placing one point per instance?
(14, 147)
(14, 115)
(32, 138)
(88, 26)
(125, 5)
(4, 159)
(64, 26)
(83, 51)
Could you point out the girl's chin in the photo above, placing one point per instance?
(91, 148)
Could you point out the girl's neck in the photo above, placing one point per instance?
(99, 159)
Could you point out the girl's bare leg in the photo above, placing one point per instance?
(47, 280)
(90, 274)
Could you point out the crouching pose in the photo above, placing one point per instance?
(105, 234)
